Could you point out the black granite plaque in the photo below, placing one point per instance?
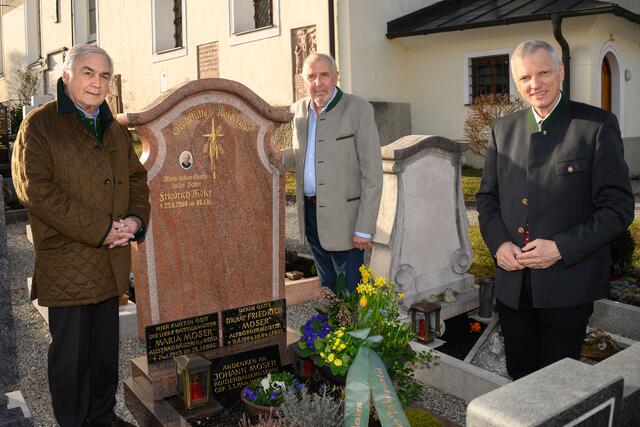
(185, 336)
(234, 372)
(252, 322)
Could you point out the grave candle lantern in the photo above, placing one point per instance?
(193, 380)
(425, 320)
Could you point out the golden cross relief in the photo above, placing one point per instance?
(212, 146)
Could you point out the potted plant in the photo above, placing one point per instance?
(263, 396)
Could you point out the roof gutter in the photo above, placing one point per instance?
(556, 21)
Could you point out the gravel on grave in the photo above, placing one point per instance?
(32, 336)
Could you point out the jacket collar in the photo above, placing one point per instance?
(65, 105)
(559, 111)
(335, 99)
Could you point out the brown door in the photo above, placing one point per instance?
(605, 86)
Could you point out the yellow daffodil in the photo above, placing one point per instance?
(331, 357)
(365, 273)
(337, 362)
(363, 301)
(401, 295)
(379, 281)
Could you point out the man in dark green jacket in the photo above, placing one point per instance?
(555, 192)
(87, 197)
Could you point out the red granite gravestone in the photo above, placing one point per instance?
(216, 238)
(213, 256)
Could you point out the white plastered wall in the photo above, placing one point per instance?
(13, 43)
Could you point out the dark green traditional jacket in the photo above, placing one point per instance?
(569, 182)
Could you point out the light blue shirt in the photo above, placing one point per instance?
(310, 155)
(93, 116)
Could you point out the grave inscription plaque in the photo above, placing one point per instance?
(171, 339)
(236, 371)
(246, 324)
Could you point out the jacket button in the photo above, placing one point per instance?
(571, 169)
(107, 181)
(544, 132)
(520, 230)
(525, 202)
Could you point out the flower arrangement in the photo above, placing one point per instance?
(327, 338)
(269, 391)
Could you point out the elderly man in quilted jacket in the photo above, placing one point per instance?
(87, 196)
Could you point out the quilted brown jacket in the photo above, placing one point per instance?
(73, 186)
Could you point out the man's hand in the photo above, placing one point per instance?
(506, 257)
(539, 254)
(122, 231)
(361, 242)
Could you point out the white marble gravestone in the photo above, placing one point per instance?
(422, 240)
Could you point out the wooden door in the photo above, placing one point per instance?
(605, 86)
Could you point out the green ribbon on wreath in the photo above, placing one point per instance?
(367, 377)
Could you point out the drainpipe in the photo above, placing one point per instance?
(556, 20)
(72, 25)
(332, 30)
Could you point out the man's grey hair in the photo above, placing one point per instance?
(532, 46)
(327, 58)
(81, 50)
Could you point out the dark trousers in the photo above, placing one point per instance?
(537, 337)
(331, 263)
(83, 362)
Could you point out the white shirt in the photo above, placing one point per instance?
(540, 119)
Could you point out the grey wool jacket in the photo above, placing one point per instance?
(348, 168)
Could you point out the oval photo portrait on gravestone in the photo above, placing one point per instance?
(186, 160)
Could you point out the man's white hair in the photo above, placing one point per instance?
(327, 58)
(531, 46)
(81, 50)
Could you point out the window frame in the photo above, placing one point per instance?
(80, 22)
(92, 37)
(247, 36)
(32, 34)
(466, 69)
(174, 52)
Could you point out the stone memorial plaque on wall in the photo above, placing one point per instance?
(208, 61)
(234, 372)
(303, 44)
(185, 336)
(253, 322)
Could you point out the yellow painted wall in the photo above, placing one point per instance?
(263, 65)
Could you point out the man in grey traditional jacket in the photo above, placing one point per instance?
(336, 153)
